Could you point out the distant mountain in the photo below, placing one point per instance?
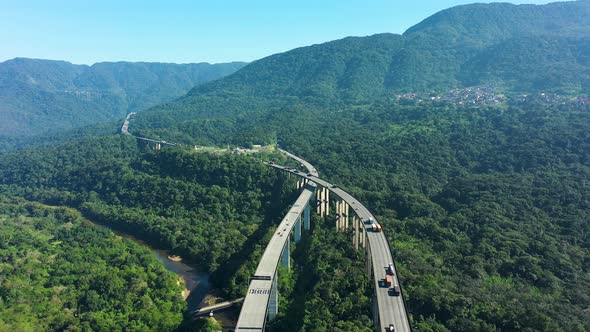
(39, 96)
(515, 47)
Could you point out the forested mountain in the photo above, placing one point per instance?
(485, 205)
(515, 47)
(38, 96)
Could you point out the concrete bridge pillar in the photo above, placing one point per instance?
(337, 215)
(319, 201)
(361, 233)
(369, 262)
(306, 217)
(273, 302)
(326, 202)
(297, 233)
(344, 215)
(355, 236)
(286, 257)
(375, 310)
(341, 219)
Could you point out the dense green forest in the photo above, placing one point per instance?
(216, 210)
(328, 288)
(202, 206)
(58, 272)
(486, 206)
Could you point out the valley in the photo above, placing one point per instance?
(466, 137)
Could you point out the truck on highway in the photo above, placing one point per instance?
(370, 220)
(390, 269)
(374, 227)
(388, 280)
(379, 229)
(395, 290)
(391, 328)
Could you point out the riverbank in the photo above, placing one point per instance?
(196, 282)
(197, 289)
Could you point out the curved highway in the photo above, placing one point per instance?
(256, 303)
(254, 309)
(391, 308)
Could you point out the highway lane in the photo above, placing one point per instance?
(154, 141)
(125, 127)
(254, 309)
(125, 131)
(391, 308)
(308, 166)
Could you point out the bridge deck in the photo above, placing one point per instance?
(253, 314)
(392, 309)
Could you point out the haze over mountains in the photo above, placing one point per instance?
(39, 96)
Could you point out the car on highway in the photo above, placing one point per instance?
(391, 328)
(334, 186)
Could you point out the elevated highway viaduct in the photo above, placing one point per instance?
(261, 301)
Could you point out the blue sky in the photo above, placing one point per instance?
(182, 31)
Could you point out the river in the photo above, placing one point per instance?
(196, 282)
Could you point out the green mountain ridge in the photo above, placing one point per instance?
(458, 47)
(485, 205)
(39, 96)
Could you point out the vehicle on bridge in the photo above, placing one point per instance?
(395, 291)
(391, 328)
(391, 269)
(376, 227)
(388, 280)
(370, 220)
